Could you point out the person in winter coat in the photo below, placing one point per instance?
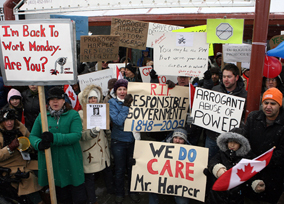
(130, 73)
(10, 156)
(31, 105)
(62, 137)
(264, 130)
(94, 145)
(145, 58)
(14, 100)
(3, 93)
(122, 143)
(233, 147)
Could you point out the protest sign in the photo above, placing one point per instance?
(155, 107)
(171, 169)
(96, 115)
(217, 111)
(197, 29)
(38, 52)
(180, 54)
(99, 78)
(133, 34)
(99, 48)
(275, 41)
(236, 52)
(158, 27)
(225, 31)
(145, 75)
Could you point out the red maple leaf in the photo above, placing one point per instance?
(247, 174)
(71, 95)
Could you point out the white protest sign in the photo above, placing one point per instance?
(181, 54)
(236, 52)
(217, 111)
(158, 27)
(38, 52)
(155, 107)
(99, 78)
(145, 75)
(171, 169)
(96, 115)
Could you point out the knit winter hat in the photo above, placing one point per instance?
(131, 68)
(180, 132)
(274, 94)
(94, 93)
(7, 114)
(14, 94)
(111, 83)
(119, 83)
(55, 92)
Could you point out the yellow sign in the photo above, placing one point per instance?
(225, 31)
(198, 29)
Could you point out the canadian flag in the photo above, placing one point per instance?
(242, 172)
(72, 97)
(118, 73)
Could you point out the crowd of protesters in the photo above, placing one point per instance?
(77, 154)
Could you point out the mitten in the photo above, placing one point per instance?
(47, 136)
(170, 83)
(43, 145)
(258, 186)
(153, 74)
(207, 74)
(14, 144)
(128, 100)
(189, 119)
(220, 172)
(95, 131)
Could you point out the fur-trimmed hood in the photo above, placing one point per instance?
(83, 95)
(222, 142)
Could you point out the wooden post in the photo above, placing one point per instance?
(48, 158)
(126, 55)
(239, 65)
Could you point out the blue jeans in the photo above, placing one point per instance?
(123, 154)
(153, 199)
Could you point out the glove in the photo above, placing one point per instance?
(207, 74)
(171, 84)
(94, 132)
(128, 100)
(43, 145)
(132, 161)
(153, 74)
(47, 137)
(189, 119)
(14, 144)
(220, 172)
(206, 171)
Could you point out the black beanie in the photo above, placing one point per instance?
(55, 92)
(131, 68)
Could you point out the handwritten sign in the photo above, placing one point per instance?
(133, 34)
(99, 48)
(96, 115)
(158, 27)
(181, 54)
(38, 52)
(275, 41)
(145, 75)
(171, 169)
(236, 52)
(217, 111)
(99, 78)
(155, 107)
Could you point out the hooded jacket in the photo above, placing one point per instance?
(96, 154)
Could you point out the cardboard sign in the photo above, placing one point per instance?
(96, 115)
(225, 31)
(181, 54)
(99, 48)
(133, 34)
(158, 27)
(155, 107)
(198, 29)
(145, 75)
(38, 52)
(217, 111)
(170, 169)
(99, 78)
(236, 53)
(275, 41)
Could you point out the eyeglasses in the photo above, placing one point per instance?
(271, 80)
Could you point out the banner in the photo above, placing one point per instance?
(99, 78)
(99, 48)
(217, 111)
(158, 27)
(155, 107)
(181, 54)
(198, 29)
(236, 53)
(38, 52)
(133, 34)
(170, 169)
(145, 75)
(225, 31)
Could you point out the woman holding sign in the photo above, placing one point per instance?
(122, 143)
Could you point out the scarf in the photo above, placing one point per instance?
(56, 114)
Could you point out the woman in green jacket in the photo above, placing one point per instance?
(64, 133)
